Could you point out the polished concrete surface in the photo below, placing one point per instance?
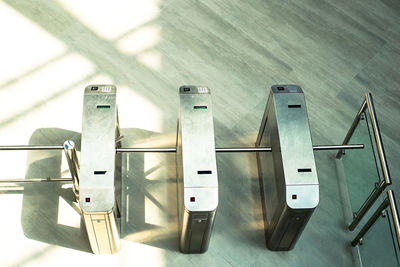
(51, 50)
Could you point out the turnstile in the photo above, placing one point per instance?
(288, 175)
(196, 169)
(99, 184)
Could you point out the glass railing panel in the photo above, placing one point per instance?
(360, 165)
(378, 246)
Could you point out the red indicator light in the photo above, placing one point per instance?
(87, 199)
(192, 199)
(294, 196)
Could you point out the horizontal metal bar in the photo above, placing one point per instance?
(31, 147)
(173, 149)
(338, 147)
(165, 149)
(35, 180)
(242, 149)
(238, 149)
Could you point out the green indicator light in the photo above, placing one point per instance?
(103, 106)
(200, 107)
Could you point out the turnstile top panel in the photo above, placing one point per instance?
(197, 133)
(100, 89)
(286, 88)
(98, 149)
(295, 138)
(192, 89)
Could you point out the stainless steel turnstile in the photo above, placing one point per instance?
(288, 175)
(196, 169)
(98, 186)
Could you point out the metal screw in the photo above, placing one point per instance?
(383, 214)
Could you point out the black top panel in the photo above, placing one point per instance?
(286, 88)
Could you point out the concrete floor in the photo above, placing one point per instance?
(51, 50)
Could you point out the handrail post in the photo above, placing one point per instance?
(352, 128)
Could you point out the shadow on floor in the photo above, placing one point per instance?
(149, 202)
(40, 205)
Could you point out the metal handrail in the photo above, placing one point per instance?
(395, 215)
(378, 139)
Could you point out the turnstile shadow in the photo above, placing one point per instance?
(239, 217)
(149, 192)
(41, 216)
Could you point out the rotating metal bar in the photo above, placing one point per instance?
(237, 149)
(31, 147)
(338, 147)
(35, 180)
(165, 150)
(242, 149)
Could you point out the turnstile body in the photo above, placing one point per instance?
(196, 169)
(288, 175)
(99, 186)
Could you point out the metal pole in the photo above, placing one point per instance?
(166, 149)
(237, 149)
(35, 180)
(395, 215)
(367, 205)
(338, 147)
(242, 149)
(31, 147)
(370, 222)
(352, 128)
(73, 163)
(378, 139)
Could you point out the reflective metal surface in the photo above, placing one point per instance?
(395, 216)
(35, 180)
(196, 169)
(96, 185)
(73, 164)
(288, 175)
(378, 139)
(31, 147)
(235, 149)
